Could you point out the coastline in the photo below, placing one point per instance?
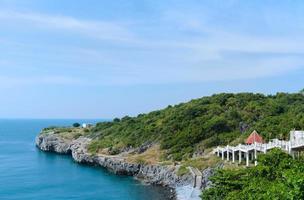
(164, 176)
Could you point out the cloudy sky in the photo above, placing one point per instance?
(105, 58)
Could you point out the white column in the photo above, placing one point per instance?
(247, 158)
(223, 154)
(292, 153)
(289, 149)
(255, 155)
(265, 148)
(286, 146)
(240, 156)
(233, 156)
(218, 152)
(227, 153)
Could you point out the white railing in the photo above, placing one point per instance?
(289, 146)
(275, 143)
(298, 142)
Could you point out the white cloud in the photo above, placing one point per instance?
(212, 55)
(105, 30)
(17, 81)
(238, 71)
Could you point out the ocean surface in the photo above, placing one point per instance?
(28, 173)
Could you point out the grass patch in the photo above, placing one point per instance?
(97, 146)
(166, 163)
(150, 156)
(66, 132)
(182, 170)
(202, 163)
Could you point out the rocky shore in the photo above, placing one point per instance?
(151, 174)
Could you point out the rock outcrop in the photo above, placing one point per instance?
(153, 174)
(53, 143)
(207, 173)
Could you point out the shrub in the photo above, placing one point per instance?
(76, 125)
(116, 120)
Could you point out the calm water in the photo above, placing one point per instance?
(27, 173)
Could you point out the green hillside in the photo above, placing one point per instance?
(204, 123)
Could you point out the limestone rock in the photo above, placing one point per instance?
(51, 142)
(153, 174)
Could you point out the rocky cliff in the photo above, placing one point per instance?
(153, 174)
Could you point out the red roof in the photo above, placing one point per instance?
(254, 137)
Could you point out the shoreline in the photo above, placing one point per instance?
(164, 176)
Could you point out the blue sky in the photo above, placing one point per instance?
(104, 58)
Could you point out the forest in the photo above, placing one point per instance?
(203, 123)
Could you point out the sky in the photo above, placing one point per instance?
(105, 58)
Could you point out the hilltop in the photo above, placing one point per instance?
(200, 124)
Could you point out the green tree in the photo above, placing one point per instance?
(76, 125)
(116, 120)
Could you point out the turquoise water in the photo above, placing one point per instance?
(27, 173)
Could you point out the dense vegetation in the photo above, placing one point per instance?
(203, 123)
(277, 176)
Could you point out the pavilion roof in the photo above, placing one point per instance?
(254, 137)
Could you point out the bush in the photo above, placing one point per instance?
(76, 125)
(116, 120)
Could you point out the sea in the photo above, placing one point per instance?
(26, 173)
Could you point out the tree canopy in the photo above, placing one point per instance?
(204, 123)
(277, 176)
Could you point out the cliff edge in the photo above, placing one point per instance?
(153, 174)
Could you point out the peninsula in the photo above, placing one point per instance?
(175, 147)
